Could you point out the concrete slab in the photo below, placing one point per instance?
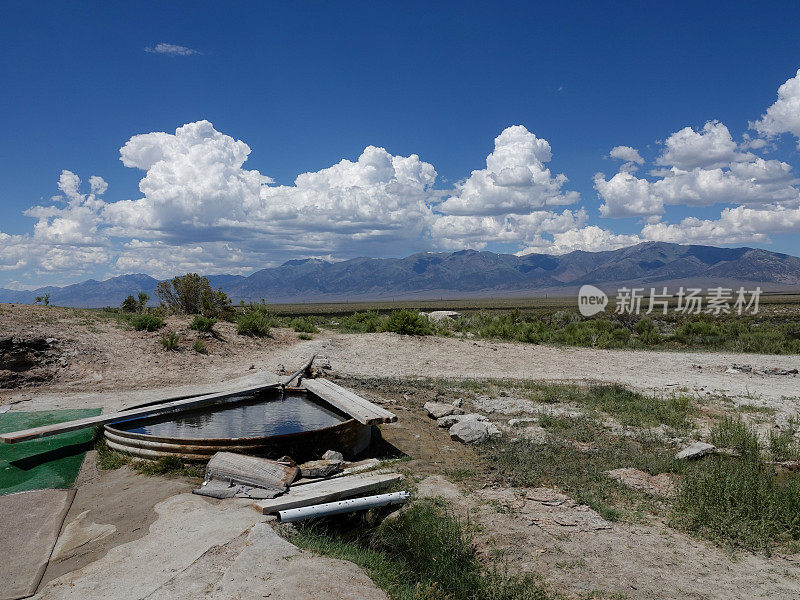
(30, 522)
(186, 528)
(199, 548)
(111, 508)
(261, 564)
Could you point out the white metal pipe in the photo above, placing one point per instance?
(340, 507)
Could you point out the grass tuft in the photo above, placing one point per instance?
(108, 460)
(146, 322)
(204, 324)
(739, 503)
(170, 342)
(733, 433)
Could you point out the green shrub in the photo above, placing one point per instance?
(199, 346)
(303, 325)
(192, 294)
(304, 336)
(407, 322)
(361, 322)
(201, 323)
(146, 322)
(255, 322)
(170, 342)
(130, 305)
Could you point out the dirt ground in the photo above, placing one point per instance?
(89, 358)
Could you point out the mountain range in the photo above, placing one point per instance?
(466, 273)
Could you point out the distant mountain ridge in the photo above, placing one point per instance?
(465, 273)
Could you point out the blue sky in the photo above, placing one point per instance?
(436, 88)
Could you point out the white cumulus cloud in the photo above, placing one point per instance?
(515, 179)
(784, 115)
(627, 154)
(702, 168)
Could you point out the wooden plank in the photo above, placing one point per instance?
(357, 467)
(355, 398)
(357, 407)
(126, 415)
(170, 394)
(250, 470)
(329, 490)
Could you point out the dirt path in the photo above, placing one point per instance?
(391, 355)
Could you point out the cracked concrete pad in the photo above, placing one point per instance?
(262, 564)
(199, 548)
(186, 528)
(30, 522)
(78, 533)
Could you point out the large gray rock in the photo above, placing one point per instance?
(696, 450)
(473, 431)
(437, 410)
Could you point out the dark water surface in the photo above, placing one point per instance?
(262, 416)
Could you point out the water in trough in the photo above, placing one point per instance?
(266, 414)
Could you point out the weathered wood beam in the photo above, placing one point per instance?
(327, 491)
(349, 402)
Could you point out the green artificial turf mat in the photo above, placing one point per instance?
(50, 462)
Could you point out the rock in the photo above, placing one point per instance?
(281, 370)
(320, 468)
(333, 455)
(437, 410)
(323, 363)
(450, 420)
(442, 315)
(521, 422)
(473, 431)
(458, 403)
(696, 450)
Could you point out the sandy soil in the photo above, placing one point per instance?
(100, 355)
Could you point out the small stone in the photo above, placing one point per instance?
(450, 420)
(320, 468)
(333, 455)
(458, 403)
(323, 363)
(281, 370)
(696, 450)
